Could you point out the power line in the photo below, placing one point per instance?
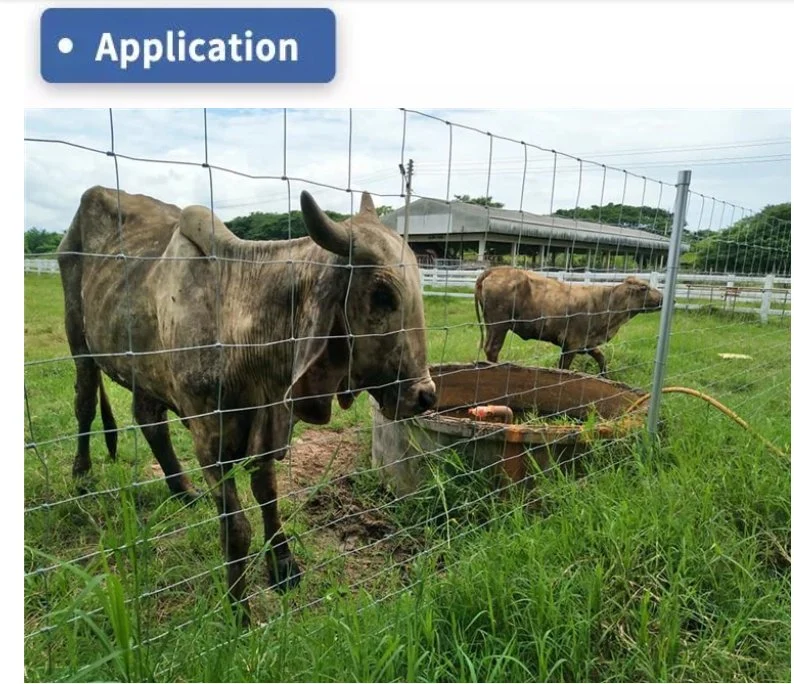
(510, 162)
(782, 141)
(273, 198)
(715, 161)
(426, 168)
(738, 160)
(632, 152)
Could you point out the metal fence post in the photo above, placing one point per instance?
(668, 304)
(766, 297)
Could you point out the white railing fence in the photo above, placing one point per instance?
(771, 294)
(767, 295)
(41, 265)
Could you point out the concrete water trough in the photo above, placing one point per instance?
(554, 417)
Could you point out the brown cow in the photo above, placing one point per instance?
(577, 318)
(241, 339)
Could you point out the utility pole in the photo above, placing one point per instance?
(407, 177)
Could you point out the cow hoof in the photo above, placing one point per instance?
(245, 622)
(285, 574)
(188, 496)
(242, 614)
(84, 485)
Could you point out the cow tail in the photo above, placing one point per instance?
(477, 307)
(108, 421)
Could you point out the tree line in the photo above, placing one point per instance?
(760, 243)
(38, 241)
(651, 219)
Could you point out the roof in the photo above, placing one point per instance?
(434, 217)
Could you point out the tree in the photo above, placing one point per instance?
(260, 225)
(482, 201)
(38, 241)
(760, 243)
(651, 219)
(273, 226)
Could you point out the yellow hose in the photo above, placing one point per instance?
(715, 404)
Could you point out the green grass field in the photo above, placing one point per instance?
(667, 561)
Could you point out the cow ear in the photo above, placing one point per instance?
(321, 364)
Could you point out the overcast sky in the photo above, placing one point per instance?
(740, 156)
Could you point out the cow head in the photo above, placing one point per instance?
(636, 296)
(370, 328)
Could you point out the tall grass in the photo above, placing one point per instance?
(666, 561)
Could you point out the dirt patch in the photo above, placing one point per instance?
(320, 455)
(347, 528)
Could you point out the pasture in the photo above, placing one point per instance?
(667, 561)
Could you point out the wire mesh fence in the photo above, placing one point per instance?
(380, 360)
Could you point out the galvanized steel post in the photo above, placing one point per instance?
(668, 303)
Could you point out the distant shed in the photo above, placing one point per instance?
(439, 229)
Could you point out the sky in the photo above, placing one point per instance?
(740, 159)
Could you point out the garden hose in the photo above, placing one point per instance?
(711, 400)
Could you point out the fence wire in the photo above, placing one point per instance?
(582, 256)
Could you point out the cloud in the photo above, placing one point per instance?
(740, 156)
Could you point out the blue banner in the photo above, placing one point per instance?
(188, 45)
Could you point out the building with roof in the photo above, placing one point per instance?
(445, 230)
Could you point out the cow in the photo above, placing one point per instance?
(240, 339)
(577, 318)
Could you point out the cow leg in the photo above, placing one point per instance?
(285, 573)
(150, 415)
(268, 440)
(86, 385)
(234, 526)
(566, 357)
(598, 355)
(494, 341)
(86, 382)
(235, 536)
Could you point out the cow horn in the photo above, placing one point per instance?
(328, 234)
(367, 205)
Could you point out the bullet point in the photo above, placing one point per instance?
(65, 45)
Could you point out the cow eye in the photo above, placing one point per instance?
(384, 298)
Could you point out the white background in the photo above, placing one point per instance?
(494, 54)
(411, 54)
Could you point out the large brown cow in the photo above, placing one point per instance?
(577, 318)
(241, 339)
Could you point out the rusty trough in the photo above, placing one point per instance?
(591, 409)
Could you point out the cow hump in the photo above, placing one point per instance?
(199, 224)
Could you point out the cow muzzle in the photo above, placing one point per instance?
(652, 302)
(405, 399)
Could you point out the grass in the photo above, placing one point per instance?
(669, 562)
